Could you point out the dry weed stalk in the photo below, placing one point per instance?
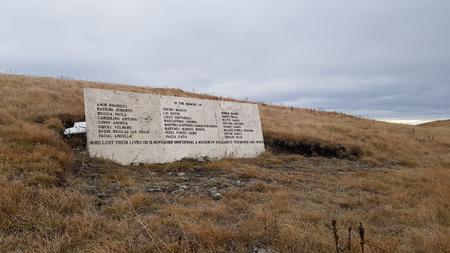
(349, 239)
(348, 247)
(335, 234)
(361, 236)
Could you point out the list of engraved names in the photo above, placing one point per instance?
(114, 125)
(181, 125)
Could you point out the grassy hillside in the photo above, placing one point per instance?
(48, 102)
(391, 177)
(437, 123)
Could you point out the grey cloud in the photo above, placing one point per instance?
(380, 59)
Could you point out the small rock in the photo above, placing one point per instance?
(152, 189)
(114, 187)
(91, 189)
(211, 182)
(130, 191)
(100, 194)
(261, 249)
(181, 189)
(239, 183)
(213, 193)
(182, 176)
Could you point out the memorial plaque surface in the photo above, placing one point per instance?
(134, 128)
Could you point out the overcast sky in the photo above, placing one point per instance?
(381, 59)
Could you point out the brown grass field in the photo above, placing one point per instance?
(319, 167)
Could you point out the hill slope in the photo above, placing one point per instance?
(39, 101)
(437, 123)
(391, 177)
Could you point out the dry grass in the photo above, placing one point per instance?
(379, 142)
(54, 199)
(437, 123)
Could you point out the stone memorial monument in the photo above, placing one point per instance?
(132, 128)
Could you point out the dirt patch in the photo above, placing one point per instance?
(77, 141)
(309, 148)
(107, 180)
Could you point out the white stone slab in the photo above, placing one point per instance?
(132, 128)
